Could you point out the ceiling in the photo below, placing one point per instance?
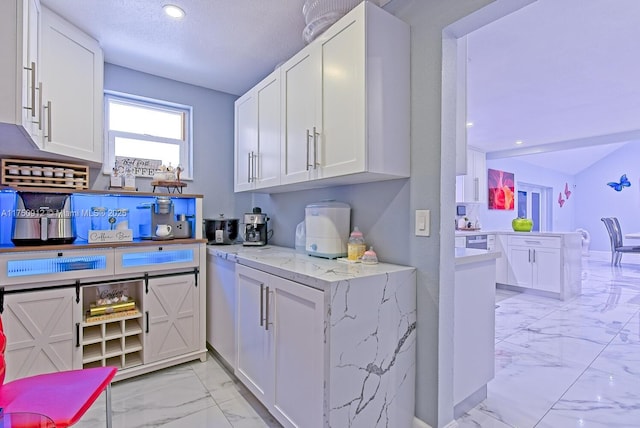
(554, 74)
(557, 73)
(226, 45)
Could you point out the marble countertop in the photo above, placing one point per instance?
(510, 232)
(472, 255)
(299, 267)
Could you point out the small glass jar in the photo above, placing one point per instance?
(119, 219)
(99, 218)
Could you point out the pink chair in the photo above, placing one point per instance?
(63, 396)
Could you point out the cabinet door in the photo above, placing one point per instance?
(72, 79)
(479, 165)
(520, 266)
(298, 322)
(472, 187)
(172, 317)
(342, 142)
(246, 140)
(31, 96)
(221, 307)
(254, 363)
(41, 332)
(547, 269)
(301, 96)
(502, 265)
(267, 163)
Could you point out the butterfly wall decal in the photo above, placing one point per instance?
(567, 192)
(624, 182)
(561, 200)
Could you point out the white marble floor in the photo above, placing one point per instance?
(568, 364)
(558, 365)
(196, 394)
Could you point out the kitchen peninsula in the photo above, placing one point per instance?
(343, 333)
(473, 326)
(543, 263)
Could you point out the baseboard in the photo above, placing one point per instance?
(419, 423)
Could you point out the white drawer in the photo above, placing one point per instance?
(536, 241)
(156, 258)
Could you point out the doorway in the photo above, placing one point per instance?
(534, 202)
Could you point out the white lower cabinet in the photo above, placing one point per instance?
(221, 306)
(544, 263)
(171, 317)
(54, 317)
(535, 263)
(41, 333)
(280, 345)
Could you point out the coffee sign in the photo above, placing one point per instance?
(137, 166)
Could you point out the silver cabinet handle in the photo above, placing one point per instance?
(476, 189)
(529, 255)
(266, 318)
(254, 166)
(534, 255)
(33, 89)
(48, 107)
(39, 121)
(308, 136)
(249, 167)
(261, 304)
(315, 148)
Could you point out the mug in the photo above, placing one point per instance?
(163, 230)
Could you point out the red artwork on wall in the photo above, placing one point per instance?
(501, 190)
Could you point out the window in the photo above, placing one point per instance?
(149, 129)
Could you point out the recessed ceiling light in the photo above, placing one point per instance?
(519, 142)
(173, 11)
(469, 124)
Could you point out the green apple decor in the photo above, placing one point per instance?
(522, 224)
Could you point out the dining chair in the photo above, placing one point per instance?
(64, 397)
(615, 238)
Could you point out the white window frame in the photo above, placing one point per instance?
(186, 144)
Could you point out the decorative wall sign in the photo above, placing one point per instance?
(624, 182)
(137, 166)
(501, 190)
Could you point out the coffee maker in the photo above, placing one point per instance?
(162, 214)
(255, 228)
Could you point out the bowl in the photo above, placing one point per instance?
(522, 224)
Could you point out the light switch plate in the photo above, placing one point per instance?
(423, 218)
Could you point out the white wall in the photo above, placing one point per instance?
(212, 134)
(562, 219)
(598, 200)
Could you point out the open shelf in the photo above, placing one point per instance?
(114, 339)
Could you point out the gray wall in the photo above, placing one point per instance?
(212, 134)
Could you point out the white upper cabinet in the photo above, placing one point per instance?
(72, 86)
(345, 104)
(21, 101)
(300, 77)
(472, 187)
(257, 136)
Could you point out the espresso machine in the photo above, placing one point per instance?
(162, 215)
(255, 228)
